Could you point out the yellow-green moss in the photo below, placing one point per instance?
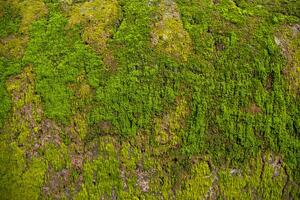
(168, 34)
(81, 125)
(288, 40)
(30, 10)
(99, 18)
(12, 46)
(31, 181)
(57, 156)
(102, 176)
(199, 183)
(168, 129)
(21, 178)
(26, 109)
(263, 177)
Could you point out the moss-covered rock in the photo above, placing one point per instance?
(168, 34)
(288, 39)
(200, 183)
(30, 10)
(202, 101)
(99, 19)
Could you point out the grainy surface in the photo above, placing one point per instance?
(149, 99)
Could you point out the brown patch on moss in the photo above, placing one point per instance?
(63, 183)
(253, 109)
(219, 46)
(91, 151)
(269, 84)
(168, 34)
(57, 185)
(2, 9)
(49, 132)
(77, 161)
(215, 2)
(105, 127)
(136, 166)
(109, 60)
(142, 179)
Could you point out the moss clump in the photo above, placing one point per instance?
(17, 18)
(255, 179)
(168, 34)
(169, 128)
(26, 109)
(199, 184)
(101, 177)
(200, 93)
(9, 19)
(30, 11)
(7, 68)
(288, 40)
(57, 157)
(24, 177)
(58, 63)
(99, 19)
(12, 46)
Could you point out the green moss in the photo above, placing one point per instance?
(181, 99)
(102, 175)
(168, 34)
(9, 19)
(57, 157)
(99, 19)
(23, 180)
(199, 183)
(30, 11)
(51, 56)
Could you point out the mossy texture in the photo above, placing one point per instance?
(149, 99)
